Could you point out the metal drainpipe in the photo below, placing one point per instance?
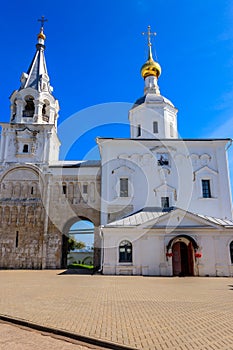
(102, 249)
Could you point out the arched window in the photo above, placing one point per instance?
(231, 251)
(14, 106)
(45, 111)
(125, 252)
(17, 239)
(64, 188)
(29, 109)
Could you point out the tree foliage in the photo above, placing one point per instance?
(73, 244)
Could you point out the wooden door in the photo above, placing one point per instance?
(176, 260)
(182, 259)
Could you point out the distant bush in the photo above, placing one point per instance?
(80, 266)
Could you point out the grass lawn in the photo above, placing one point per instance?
(80, 266)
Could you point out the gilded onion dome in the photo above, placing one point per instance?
(41, 35)
(150, 68)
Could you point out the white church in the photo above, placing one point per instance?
(165, 206)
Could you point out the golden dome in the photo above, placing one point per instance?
(41, 35)
(150, 68)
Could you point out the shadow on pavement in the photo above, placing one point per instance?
(80, 271)
(76, 272)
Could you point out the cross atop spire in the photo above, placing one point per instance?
(151, 68)
(41, 37)
(149, 34)
(42, 20)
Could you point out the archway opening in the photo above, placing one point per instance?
(183, 256)
(78, 245)
(29, 108)
(45, 111)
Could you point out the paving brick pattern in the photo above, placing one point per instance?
(16, 338)
(149, 313)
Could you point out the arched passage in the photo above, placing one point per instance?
(183, 249)
(81, 231)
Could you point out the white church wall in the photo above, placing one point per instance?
(149, 252)
(215, 249)
(156, 109)
(144, 117)
(223, 258)
(181, 180)
(206, 266)
(152, 254)
(41, 141)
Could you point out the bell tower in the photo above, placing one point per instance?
(31, 134)
(152, 116)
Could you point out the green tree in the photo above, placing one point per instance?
(73, 244)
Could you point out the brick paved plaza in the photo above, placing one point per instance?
(16, 338)
(138, 312)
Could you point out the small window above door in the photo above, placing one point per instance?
(25, 148)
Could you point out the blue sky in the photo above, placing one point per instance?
(87, 238)
(94, 52)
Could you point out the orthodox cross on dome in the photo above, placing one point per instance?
(149, 34)
(151, 67)
(42, 20)
(41, 37)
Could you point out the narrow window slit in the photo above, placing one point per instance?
(17, 239)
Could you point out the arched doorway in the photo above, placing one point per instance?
(81, 232)
(183, 256)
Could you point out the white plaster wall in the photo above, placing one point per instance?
(149, 250)
(151, 254)
(42, 141)
(145, 115)
(216, 254)
(190, 162)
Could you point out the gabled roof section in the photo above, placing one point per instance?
(138, 218)
(222, 222)
(183, 219)
(157, 218)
